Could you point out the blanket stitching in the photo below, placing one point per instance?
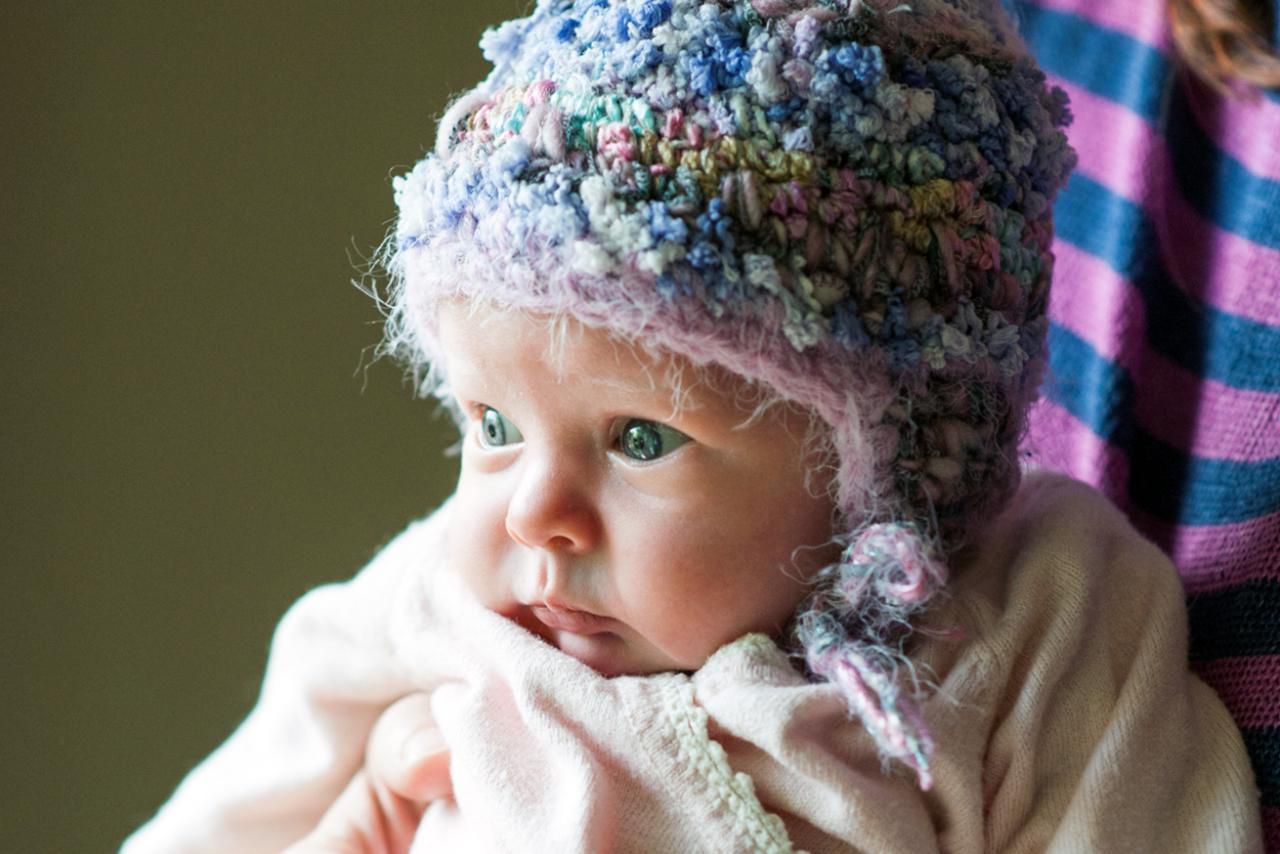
(736, 790)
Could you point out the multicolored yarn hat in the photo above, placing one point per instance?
(846, 201)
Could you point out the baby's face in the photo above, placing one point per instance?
(634, 536)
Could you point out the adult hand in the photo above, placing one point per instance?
(406, 767)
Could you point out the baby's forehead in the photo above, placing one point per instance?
(482, 338)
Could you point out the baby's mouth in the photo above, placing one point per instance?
(569, 620)
(595, 640)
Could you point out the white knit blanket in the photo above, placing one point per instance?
(1065, 720)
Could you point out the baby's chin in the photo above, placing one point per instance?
(605, 653)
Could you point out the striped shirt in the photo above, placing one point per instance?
(1164, 386)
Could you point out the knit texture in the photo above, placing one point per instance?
(1164, 386)
(847, 202)
(1067, 721)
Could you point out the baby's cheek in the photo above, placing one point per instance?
(474, 546)
(747, 589)
(692, 607)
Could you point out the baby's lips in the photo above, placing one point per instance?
(567, 620)
(522, 616)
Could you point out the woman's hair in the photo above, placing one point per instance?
(1224, 42)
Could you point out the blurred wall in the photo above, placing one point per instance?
(191, 433)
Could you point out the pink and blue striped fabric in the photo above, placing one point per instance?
(1165, 340)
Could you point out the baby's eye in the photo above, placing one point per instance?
(647, 440)
(496, 429)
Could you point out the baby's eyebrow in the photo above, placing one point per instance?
(670, 402)
(626, 393)
(616, 384)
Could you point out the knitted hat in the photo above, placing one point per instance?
(846, 201)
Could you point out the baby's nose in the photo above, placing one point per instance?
(553, 508)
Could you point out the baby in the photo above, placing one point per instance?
(740, 307)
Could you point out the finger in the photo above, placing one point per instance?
(407, 754)
(363, 820)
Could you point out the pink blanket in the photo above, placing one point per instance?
(1065, 715)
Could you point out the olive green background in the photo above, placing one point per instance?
(192, 433)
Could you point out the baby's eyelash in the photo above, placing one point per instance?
(470, 409)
